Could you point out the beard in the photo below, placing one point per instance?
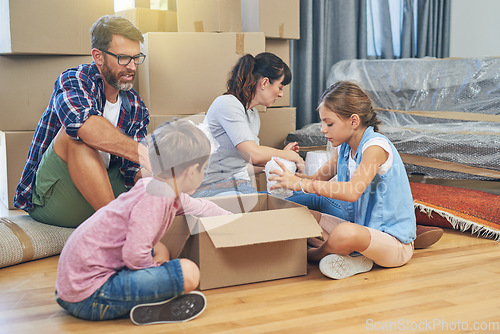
(113, 79)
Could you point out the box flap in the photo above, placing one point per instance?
(241, 203)
(176, 236)
(261, 227)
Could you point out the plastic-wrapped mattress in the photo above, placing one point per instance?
(443, 115)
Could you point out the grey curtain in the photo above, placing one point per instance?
(333, 30)
(330, 30)
(433, 33)
(424, 29)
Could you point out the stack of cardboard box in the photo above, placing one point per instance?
(147, 19)
(186, 70)
(280, 22)
(38, 40)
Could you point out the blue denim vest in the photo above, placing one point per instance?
(386, 204)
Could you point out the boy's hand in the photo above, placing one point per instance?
(160, 253)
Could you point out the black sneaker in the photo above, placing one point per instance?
(178, 309)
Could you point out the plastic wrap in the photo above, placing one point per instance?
(314, 160)
(272, 165)
(447, 109)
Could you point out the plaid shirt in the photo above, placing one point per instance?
(79, 94)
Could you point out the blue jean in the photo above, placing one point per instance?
(337, 208)
(127, 288)
(244, 188)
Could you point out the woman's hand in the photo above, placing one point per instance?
(293, 146)
(160, 253)
(284, 178)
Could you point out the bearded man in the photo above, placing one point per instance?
(86, 149)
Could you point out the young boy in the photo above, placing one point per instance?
(114, 264)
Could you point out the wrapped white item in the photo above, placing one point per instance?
(273, 165)
(314, 160)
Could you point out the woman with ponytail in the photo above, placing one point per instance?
(234, 124)
(371, 196)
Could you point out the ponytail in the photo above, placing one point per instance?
(242, 81)
(248, 70)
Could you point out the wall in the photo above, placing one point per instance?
(474, 28)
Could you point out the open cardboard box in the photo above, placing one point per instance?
(265, 239)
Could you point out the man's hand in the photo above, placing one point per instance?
(98, 133)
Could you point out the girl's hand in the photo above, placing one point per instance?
(160, 253)
(301, 165)
(294, 146)
(304, 176)
(284, 178)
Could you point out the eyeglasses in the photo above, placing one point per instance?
(125, 60)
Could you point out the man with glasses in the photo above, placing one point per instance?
(86, 149)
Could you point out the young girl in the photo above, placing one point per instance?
(114, 262)
(234, 123)
(371, 195)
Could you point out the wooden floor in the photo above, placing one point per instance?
(452, 285)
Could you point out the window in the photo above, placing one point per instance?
(385, 25)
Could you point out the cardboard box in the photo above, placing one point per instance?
(142, 3)
(275, 125)
(49, 26)
(172, 5)
(276, 18)
(157, 120)
(267, 241)
(26, 83)
(281, 48)
(209, 16)
(151, 20)
(184, 72)
(260, 181)
(14, 147)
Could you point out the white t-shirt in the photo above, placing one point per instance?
(112, 114)
(378, 141)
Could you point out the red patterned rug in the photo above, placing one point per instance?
(457, 208)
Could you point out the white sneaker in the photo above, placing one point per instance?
(178, 309)
(342, 266)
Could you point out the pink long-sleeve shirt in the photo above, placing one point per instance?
(122, 234)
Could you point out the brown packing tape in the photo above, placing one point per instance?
(312, 148)
(198, 26)
(240, 44)
(282, 30)
(458, 115)
(446, 165)
(26, 244)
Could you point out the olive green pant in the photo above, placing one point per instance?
(56, 199)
